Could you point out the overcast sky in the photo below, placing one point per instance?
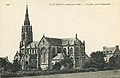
(98, 25)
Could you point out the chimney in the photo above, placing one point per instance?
(84, 42)
(43, 35)
(76, 36)
(104, 47)
(117, 46)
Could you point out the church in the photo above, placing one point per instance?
(43, 54)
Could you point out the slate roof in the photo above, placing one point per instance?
(66, 41)
(57, 41)
(33, 44)
(53, 41)
(109, 49)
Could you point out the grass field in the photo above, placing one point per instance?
(98, 74)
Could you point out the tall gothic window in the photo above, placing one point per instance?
(44, 57)
(59, 50)
(64, 51)
(71, 51)
(32, 51)
(77, 51)
(26, 62)
(43, 42)
(53, 52)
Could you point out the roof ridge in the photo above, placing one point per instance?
(52, 37)
(68, 38)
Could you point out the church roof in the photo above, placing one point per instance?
(33, 44)
(58, 41)
(66, 41)
(53, 41)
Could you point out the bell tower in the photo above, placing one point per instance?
(26, 33)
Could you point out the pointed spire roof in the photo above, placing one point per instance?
(26, 21)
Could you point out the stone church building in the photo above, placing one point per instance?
(43, 54)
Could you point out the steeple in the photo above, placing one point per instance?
(26, 34)
(26, 21)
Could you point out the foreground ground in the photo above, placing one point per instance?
(98, 74)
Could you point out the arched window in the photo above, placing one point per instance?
(26, 62)
(44, 58)
(71, 51)
(64, 50)
(26, 56)
(32, 51)
(77, 58)
(43, 42)
(71, 58)
(59, 50)
(53, 52)
(77, 51)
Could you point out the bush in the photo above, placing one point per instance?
(39, 73)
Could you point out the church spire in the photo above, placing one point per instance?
(26, 34)
(26, 21)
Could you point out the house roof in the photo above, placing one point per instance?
(112, 50)
(109, 49)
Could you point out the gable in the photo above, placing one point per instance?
(44, 41)
(116, 52)
(78, 42)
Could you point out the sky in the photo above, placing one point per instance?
(98, 25)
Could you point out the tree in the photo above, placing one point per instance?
(57, 66)
(114, 61)
(8, 66)
(67, 62)
(16, 66)
(96, 60)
